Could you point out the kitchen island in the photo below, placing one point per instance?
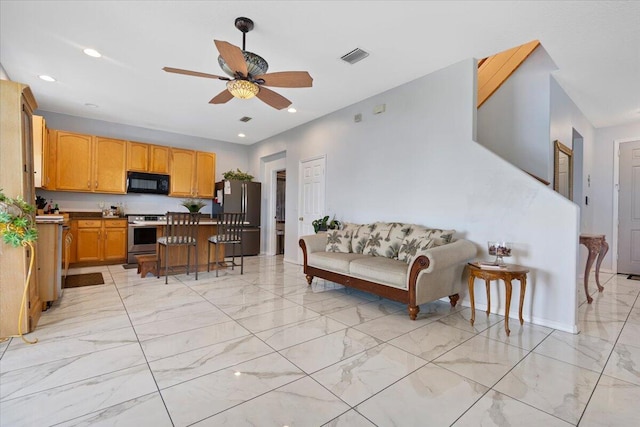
(177, 256)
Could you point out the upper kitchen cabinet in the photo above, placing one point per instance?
(205, 174)
(183, 165)
(192, 173)
(43, 155)
(150, 158)
(90, 163)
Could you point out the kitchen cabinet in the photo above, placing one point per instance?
(90, 163)
(43, 155)
(149, 158)
(192, 173)
(16, 175)
(100, 240)
(183, 165)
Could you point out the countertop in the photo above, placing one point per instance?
(203, 221)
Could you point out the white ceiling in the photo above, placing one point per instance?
(595, 44)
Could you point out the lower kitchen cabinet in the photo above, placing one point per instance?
(98, 240)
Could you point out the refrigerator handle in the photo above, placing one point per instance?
(244, 198)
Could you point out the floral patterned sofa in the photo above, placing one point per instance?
(402, 262)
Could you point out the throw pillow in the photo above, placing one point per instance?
(386, 240)
(340, 240)
(412, 246)
(441, 237)
(361, 237)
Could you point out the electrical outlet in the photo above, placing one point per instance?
(381, 108)
(357, 118)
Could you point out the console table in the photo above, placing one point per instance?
(510, 272)
(596, 245)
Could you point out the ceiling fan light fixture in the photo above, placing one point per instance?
(243, 89)
(256, 65)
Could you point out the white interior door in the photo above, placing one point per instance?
(311, 195)
(629, 209)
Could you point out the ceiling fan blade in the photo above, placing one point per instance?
(273, 99)
(221, 98)
(287, 79)
(193, 73)
(233, 56)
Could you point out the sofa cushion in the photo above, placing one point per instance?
(385, 240)
(361, 237)
(332, 261)
(382, 270)
(340, 240)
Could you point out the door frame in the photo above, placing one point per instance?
(616, 197)
(270, 165)
(300, 189)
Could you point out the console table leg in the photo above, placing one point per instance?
(603, 251)
(486, 284)
(507, 284)
(592, 255)
(523, 288)
(473, 304)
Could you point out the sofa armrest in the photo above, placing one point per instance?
(315, 242)
(445, 256)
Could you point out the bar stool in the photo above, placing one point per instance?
(229, 232)
(181, 230)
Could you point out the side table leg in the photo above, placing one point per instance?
(523, 288)
(590, 258)
(507, 284)
(604, 248)
(473, 303)
(486, 284)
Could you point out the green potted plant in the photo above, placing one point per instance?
(193, 205)
(323, 224)
(237, 175)
(18, 228)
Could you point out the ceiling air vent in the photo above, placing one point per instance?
(245, 119)
(355, 55)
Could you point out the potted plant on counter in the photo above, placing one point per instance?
(18, 228)
(193, 205)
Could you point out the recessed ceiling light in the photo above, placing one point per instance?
(47, 78)
(292, 110)
(92, 52)
(241, 135)
(90, 105)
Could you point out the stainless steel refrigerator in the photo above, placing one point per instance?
(242, 196)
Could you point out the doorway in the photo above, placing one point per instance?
(281, 185)
(629, 208)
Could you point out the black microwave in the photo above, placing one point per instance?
(150, 183)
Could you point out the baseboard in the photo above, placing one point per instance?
(291, 261)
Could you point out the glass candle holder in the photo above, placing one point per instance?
(500, 250)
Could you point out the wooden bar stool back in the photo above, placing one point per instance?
(181, 230)
(229, 232)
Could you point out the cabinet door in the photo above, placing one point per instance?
(115, 242)
(88, 245)
(182, 172)
(205, 174)
(73, 161)
(137, 156)
(38, 147)
(110, 159)
(159, 159)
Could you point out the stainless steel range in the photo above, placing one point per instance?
(142, 237)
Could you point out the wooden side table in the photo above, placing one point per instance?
(507, 274)
(597, 246)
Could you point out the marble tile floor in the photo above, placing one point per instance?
(265, 349)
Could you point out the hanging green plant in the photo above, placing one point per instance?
(18, 228)
(237, 175)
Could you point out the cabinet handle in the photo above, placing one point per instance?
(96, 184)
(88, 184)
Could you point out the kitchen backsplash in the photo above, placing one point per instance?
(132, 203)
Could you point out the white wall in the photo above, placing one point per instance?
(602, 181)
(417, 163)
(514, 121)
(228, 156)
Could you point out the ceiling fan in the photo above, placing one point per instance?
(247, 73)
